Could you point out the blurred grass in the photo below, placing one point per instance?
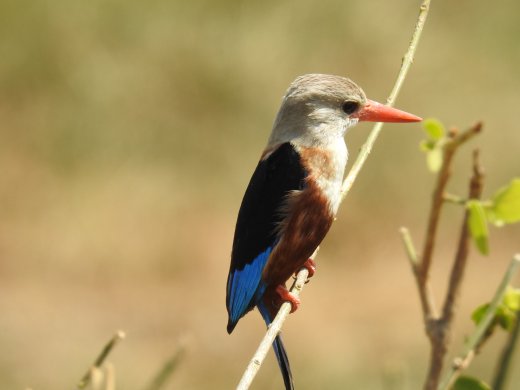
(129, 131)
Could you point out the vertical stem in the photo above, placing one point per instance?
(435, 211)
(438, 196)
(438, 327)
(504, 363)
(459, 265)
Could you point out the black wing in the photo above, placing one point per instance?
(255, 232)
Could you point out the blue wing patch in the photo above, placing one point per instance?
(245, 287)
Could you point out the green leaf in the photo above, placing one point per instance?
(512, 298)
(505, 206)
(505, 315)
(426, 145)
(478, 313)
(434, 159)
(433, 145)
(505, 318)
(470, 383)
(434, 128)
(477, 224)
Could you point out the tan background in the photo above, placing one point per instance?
(129, 131)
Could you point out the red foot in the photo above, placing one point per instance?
(311, 267)
(288, 297)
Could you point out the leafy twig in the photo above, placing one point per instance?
(257, 360)
(437, 325)
(459, 364)
(440, 328)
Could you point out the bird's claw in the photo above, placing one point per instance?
(288, 296)
(310, 265)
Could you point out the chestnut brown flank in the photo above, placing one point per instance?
(309, 219)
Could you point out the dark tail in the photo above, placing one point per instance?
(279, 350)
(283, 362)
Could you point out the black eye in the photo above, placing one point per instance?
(350, 107)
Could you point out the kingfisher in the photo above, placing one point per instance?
(294, 194)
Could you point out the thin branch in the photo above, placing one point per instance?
(455, 199)
(504, 364)
(459, 364)
(410, 247)
(440, 329)
(275, 327)
(426, 295)
(120, 335)
(405, 66)
(449, 150)
(168, 368)
(457, 271)
(432, 323)
(437, 327)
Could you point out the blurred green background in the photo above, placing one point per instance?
(129, 131)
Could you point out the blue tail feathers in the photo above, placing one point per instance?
(279, 350)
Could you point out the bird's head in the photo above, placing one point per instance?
(319, 108)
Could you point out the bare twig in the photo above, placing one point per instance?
(168, 368)
(423, 286)
(275, 327)
(410, 247)
(450, 198)
(504, 364)
(457, 271)
(405, 66)
(459, 364)
(256, 362)
(120, 335)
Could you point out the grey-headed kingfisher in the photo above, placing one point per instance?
(294, 195)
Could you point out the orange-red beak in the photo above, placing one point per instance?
(376, 112)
